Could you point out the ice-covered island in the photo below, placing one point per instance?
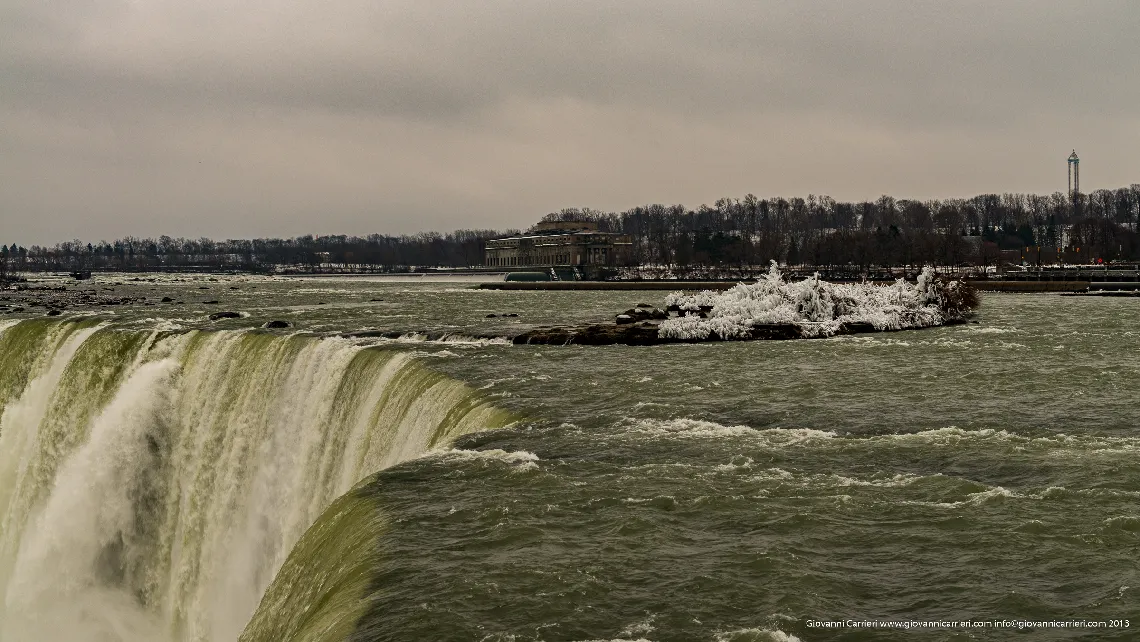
(773, 308)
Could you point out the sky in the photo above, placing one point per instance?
(273, 118)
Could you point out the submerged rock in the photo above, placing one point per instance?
(647, 333)
(225, 315)
(600, 334)
(645, 313)
(276, 325)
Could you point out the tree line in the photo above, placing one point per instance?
(749, 231)
(374, 252)
(886, 232)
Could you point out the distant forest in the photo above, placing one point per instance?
(751, 231)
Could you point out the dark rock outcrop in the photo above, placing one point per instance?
(425, 335)
(642, 312)
(277, 325)
(224, 315)
(599, 334)
(644, 333)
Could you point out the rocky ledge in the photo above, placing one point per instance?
(773, 309)
(20, 297)
(647, 333)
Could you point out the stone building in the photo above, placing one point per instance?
(565, 244)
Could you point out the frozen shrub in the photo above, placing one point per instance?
(819, 308)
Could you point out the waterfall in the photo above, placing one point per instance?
(153, 484)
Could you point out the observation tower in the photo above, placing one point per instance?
(1074, 174)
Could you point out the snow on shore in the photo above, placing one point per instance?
(819, 308)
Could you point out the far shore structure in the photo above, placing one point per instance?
(566, 249)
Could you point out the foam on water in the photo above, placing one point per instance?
(981, 329)
(756, 635)
(699, 429)
(1054, 445)
(990, 495)
(518, 460)
(448, 338)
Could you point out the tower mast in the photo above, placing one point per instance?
(1074, 174)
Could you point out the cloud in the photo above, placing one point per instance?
(263, 117)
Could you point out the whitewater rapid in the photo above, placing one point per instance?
(153, 484)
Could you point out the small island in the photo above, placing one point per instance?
(773, 308)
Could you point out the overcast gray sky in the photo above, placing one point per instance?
(242, 118)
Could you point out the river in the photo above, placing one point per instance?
(166, 477)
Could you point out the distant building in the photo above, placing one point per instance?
(561, 244)
(1074, 174)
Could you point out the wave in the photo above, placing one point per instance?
(519, 460)
(974, 329)
(507, 457)
(947, 436)
(454, 338)
(699, 429)
(756, 635)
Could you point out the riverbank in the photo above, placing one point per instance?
(634, 286)
(648, 333)
(1012, 286)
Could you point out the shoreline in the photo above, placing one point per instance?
(673, 286)
(646, 334)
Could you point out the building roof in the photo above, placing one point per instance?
(557, 234)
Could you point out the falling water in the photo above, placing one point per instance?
(153, 484)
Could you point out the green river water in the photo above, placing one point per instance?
(165, 477)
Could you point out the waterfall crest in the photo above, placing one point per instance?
(153, 484)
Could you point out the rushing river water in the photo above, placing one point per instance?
(164, 477)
